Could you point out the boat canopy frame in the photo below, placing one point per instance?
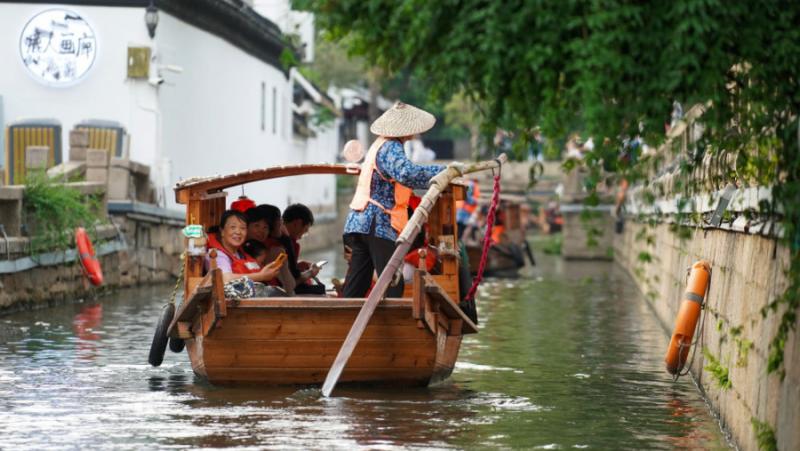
(205, 202)
(184, 188)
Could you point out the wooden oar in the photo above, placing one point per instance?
(438, 184)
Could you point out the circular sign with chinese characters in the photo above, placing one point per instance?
(58, 47)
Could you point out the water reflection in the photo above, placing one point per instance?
(86, 325)
(87, 321)
(568, 358)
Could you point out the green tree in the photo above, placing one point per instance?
(611, 68)
(333, 66)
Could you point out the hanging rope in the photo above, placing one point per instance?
(180, 278)
(487, 239)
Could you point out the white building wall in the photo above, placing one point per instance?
(104, 93)
(318, 190)
(212, 111)
(203, 121)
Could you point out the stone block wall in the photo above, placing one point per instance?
(747, 273)
(48, 285)
(153, 250)
(149, 251)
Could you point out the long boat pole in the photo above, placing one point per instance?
(438, 184)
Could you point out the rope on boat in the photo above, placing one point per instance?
(180, 278)
(487, 238)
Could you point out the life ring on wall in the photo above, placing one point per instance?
(688, 314)
(89, 262)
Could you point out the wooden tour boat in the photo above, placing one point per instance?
(508, 256)
(413, 340)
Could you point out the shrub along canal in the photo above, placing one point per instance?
(568, 356)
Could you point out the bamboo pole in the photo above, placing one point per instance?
(438, 184)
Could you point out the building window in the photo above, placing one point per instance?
(263, 106)
(274, 110)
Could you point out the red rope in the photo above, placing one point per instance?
(487, 238)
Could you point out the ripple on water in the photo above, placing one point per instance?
(554, 367)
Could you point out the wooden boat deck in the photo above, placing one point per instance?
(409, 341)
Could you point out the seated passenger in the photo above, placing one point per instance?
(499, 228)
(257, 250)
(239, 271)
(257, 224)
(277, 242)
(297, 220)
(466, 208)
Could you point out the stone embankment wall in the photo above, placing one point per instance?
(141, 250)
(747, 273)
(668, 230)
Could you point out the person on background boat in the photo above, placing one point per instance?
(466, 207)
(378, 211)
(277, 242)
(297, 220)
(472, 234)
(499, 228)
(231, 260)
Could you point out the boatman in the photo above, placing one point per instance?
(379, 210)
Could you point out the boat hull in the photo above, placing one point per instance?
(274, 342)
(503, 259)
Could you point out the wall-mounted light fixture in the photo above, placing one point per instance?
(151, 19)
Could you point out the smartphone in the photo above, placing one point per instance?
(321, 263)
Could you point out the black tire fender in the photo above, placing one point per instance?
(159, 345)
(176, 344)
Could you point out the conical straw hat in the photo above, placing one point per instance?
(402, 120)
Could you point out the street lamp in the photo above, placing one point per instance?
(151, 19)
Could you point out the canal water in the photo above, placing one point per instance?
(568, 357)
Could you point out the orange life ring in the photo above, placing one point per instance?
(89, 262)
(688, 314)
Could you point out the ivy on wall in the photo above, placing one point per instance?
(53, 211)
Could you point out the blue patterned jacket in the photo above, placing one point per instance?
(392, 162)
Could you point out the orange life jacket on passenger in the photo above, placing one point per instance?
(362, 197)
(476, 194)
(246, 265)
(497, 233)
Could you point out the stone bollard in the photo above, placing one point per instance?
(78, 143)
(97, 161)
(119, 183)
(574, 191)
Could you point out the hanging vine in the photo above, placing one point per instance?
(612, 70)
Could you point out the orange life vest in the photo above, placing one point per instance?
(497, 233)
(476, 194)
(362, 197)
(246, 265)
